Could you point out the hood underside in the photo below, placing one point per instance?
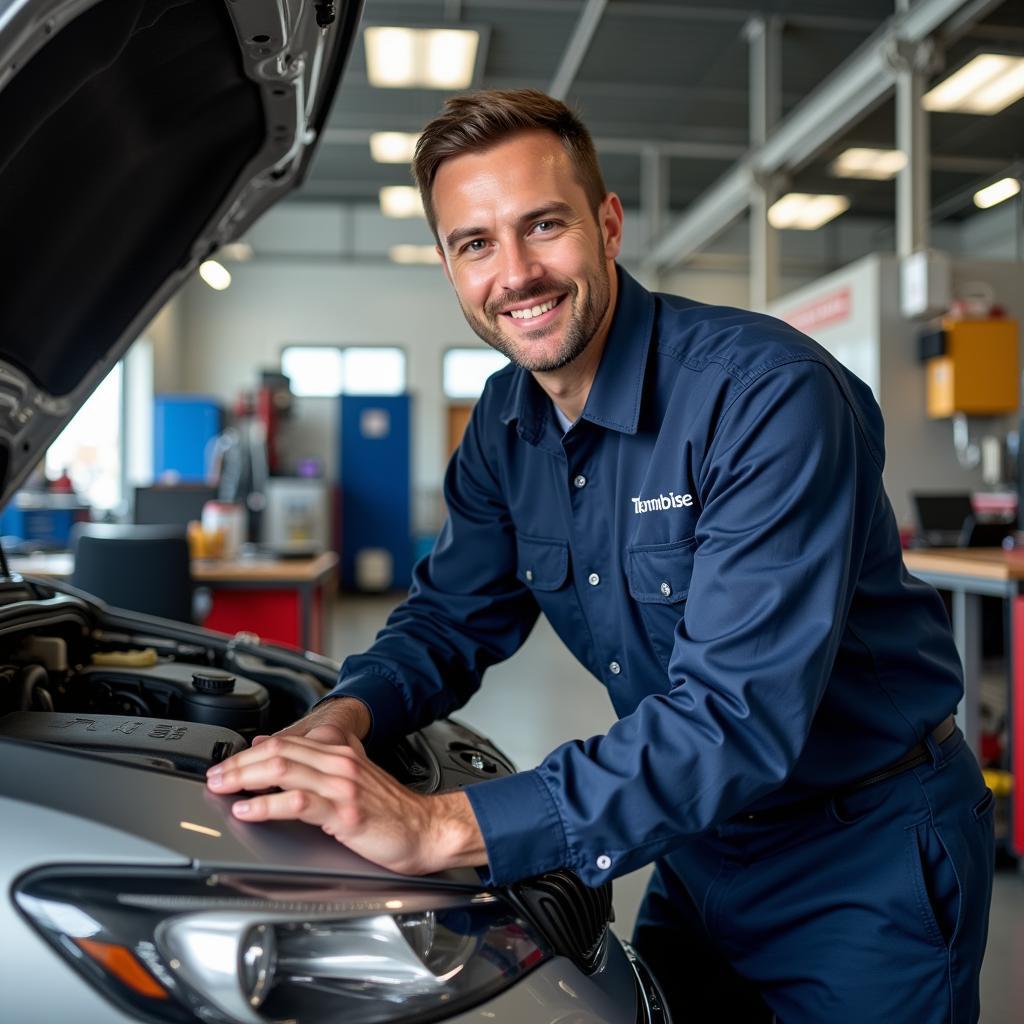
(139, 136)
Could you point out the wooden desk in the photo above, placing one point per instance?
(280, 599)
(970, 574)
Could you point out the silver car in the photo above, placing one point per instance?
(138, 137)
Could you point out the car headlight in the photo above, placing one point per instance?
(248, 948)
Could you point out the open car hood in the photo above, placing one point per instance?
(138, 137)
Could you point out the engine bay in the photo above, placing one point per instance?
(181, 699)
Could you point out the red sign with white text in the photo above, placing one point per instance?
(829, 309)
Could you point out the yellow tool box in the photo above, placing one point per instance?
(975, 369)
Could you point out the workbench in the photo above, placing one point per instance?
(279, 599)
(970, 574)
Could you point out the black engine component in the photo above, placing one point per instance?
(172, 689)
(149, 741)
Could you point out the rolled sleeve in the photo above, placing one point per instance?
(522, 830)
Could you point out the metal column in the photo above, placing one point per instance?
(765, 38)
(911, 62)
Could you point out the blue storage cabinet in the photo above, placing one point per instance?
(183, 426)
(376, 492)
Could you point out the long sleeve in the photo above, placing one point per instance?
(465, 610)
(786, 489)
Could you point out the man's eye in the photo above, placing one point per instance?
(545, 225)
(477, 245)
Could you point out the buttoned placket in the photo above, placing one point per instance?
(582, 495)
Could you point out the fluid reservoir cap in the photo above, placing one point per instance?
(213, 682)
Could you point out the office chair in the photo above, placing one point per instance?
(139, 568)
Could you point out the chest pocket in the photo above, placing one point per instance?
(659, 581)
(541, 564)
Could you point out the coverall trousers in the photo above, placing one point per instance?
(872, 906)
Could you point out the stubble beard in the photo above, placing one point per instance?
(584, 320)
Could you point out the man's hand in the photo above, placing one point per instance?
(336, 787)
(338, 720)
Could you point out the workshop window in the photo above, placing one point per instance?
(313, 370)
(465, 370)
(89, 448)
(326, 371)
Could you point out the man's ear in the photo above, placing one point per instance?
(609, 220)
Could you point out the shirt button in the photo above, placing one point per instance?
(666, 588)
(579, 481)
(529, 575)
(604, 862)
(593, 579)
(615, 668)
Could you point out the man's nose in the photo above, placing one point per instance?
(520, 267)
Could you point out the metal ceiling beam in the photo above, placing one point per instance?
(605, 144)
(576, 50)
(843, 98)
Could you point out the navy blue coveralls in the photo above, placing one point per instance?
(712, 541)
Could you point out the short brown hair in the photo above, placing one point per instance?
(479, 120)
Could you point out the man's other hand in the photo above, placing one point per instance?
(337, 788)
(338, 720)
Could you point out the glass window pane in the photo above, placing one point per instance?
(313, 370)
(466, 370)
(89, 447)
(374, 371)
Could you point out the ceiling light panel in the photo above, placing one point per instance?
(985, 85)
(429, 58)
(393, 147)
(997, 192)
(408, 253)
(400, 201)
(804, 212)
(875, 164)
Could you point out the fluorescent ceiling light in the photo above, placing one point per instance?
(441, 58)
(215, 275)
(997, 192)
(393, 147)
(877, 164)
(805, 212)
(984, 85)
(414, 254)
(400, 201)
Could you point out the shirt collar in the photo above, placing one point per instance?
(614, 399)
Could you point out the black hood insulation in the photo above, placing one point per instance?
(120, 139)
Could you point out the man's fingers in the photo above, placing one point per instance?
(283, 773)
(273, 746)
(272, 764)
(291, 805)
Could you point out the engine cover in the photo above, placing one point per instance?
(155, 742)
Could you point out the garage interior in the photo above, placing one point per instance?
(798, 157)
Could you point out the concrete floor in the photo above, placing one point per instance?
(542, 697)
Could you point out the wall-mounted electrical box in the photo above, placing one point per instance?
(973, 368)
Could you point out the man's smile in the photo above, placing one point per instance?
(535, 314)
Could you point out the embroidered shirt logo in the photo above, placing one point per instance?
(661, 502)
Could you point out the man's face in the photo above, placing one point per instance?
(529, 262)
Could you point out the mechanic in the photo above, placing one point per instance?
(692, 495)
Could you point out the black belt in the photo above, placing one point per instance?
(917, 755)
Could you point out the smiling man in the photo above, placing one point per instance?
(692, 495)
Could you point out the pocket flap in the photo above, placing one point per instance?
(542, 564)
(660, 573)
